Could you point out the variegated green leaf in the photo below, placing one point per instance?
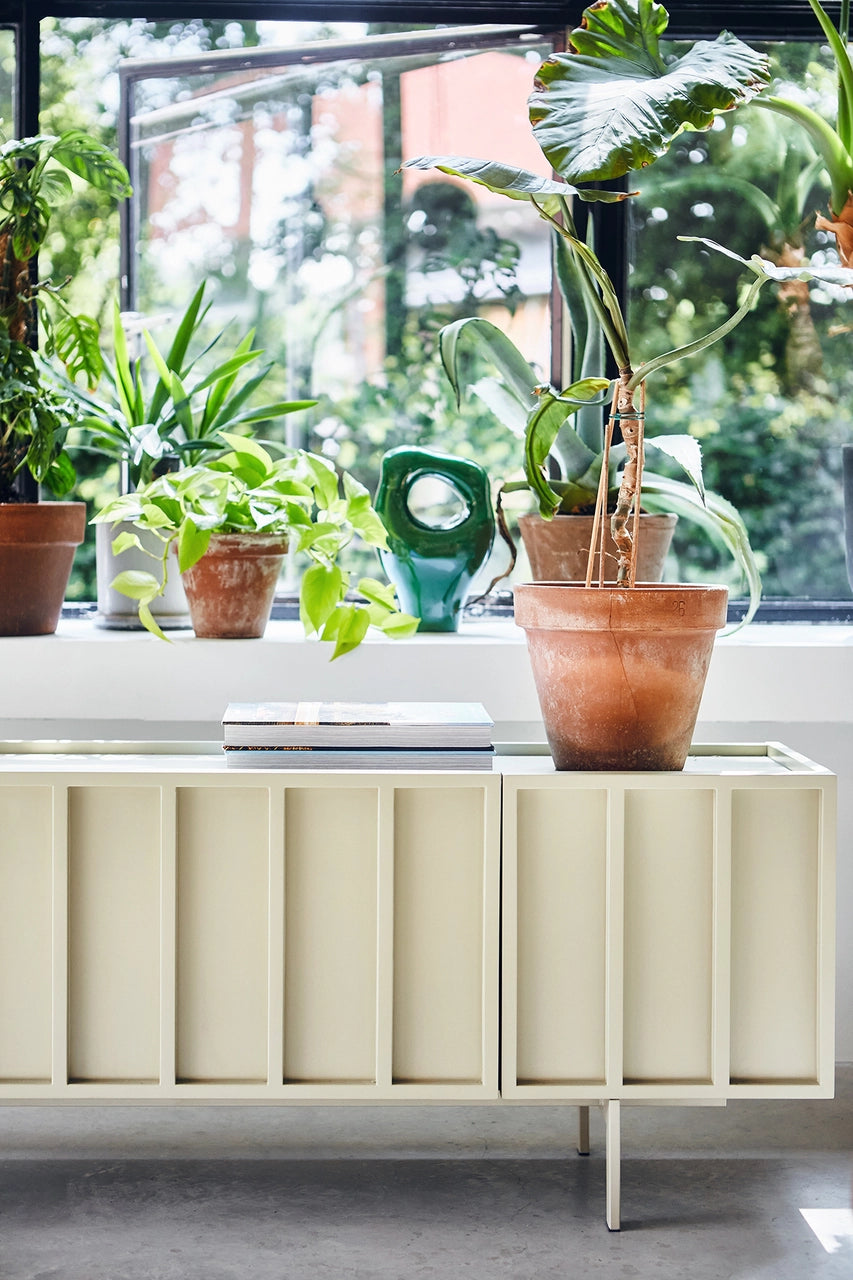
(612, 104)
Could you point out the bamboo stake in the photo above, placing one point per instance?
(641, 458)
(599, 519)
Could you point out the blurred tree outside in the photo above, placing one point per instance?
(771, 403)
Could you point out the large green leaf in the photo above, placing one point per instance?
(686, 451)
(76, 341)
(716, 516)
(542, 431)
(91, 160)
(612, 104)
(826, 273)
(509, 180)
(506, 406)
(474, 335)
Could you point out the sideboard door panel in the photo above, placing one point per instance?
(776, 841)
(114, 933)
(439, 930)
(222, 919)
(330, 961)
(26, 923)
(669, 913)
(561, 865)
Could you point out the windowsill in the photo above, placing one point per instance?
(88, 682)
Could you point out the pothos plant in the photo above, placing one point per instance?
(35, 412)
(611, 104)
(246, 490)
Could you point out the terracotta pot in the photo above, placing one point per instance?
(619, 672)
(230, 590)
(558, 549)
(37, 545)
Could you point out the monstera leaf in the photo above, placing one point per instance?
(613, 103)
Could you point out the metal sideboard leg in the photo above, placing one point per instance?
(613, 1155)
(583, 1131)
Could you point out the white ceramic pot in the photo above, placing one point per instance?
(119, 613)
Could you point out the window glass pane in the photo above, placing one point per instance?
(279, 186)
(8, 56)
(80, 89)
(769, 402)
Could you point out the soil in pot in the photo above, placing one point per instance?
(558, 549)
(620, 672)
(230, 590)
(37, 545)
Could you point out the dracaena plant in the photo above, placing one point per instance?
(34, 412)
(613, 103)
(167, 407)
(246, 490)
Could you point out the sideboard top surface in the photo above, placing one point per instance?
(516, 759)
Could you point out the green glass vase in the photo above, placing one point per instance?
(432, 564)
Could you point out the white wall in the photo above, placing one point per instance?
(788, 684)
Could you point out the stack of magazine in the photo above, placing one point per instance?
(358, 735)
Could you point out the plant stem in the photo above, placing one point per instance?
(631, 424)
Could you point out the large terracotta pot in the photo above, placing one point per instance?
(619, 671)
(558, 549)
(230, 590)
(37, 545)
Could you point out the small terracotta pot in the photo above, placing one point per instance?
(37, 545)
(230, 590)
(558, 549)
(619, 671)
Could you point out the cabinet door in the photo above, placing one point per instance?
(668, 936)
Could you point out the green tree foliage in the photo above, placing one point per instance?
(770, 408)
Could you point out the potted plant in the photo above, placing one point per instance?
(151, 420)
(38, 539)
(619, 669)
(551, 425)
(230, 521)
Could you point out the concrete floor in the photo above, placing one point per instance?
(311, 1193)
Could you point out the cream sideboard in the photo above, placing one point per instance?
(174, 930)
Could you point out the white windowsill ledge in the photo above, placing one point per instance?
(84, 679)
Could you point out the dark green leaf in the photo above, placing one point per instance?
(477, 336)
(613, 105)
(92, 161)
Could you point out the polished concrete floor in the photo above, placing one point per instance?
(754, 1190)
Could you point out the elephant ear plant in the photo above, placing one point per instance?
(609, 105)
(246, 490)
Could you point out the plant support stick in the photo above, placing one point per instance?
(631, 422)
